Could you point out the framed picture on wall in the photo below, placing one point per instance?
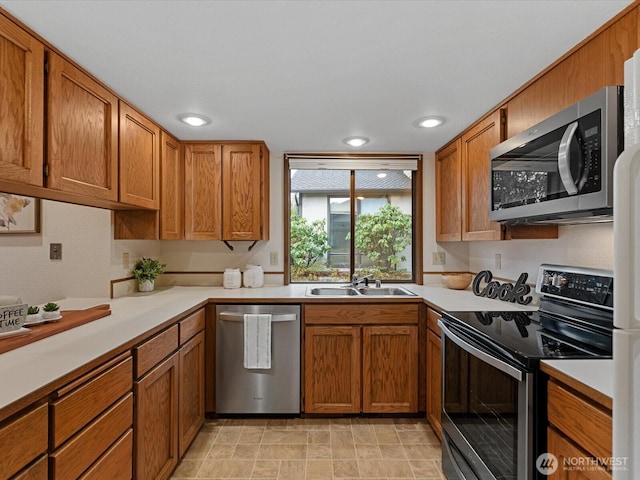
(19, 214)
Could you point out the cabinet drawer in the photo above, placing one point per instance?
(340, 314)
(37, 471)
(22, 440)
(588, 425)
(85, 448)
(76, 409)
(116, 463)
(432, 321)
(153, 351)
(191, 325)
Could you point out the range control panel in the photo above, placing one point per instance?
(589, 286)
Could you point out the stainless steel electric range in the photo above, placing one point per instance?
(494, 395)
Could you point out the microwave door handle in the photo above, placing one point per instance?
(564, 159)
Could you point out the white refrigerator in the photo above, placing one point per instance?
(626, 313)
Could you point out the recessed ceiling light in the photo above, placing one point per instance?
(429, 122)
(381, 175)
(194, 119)
(356, 141)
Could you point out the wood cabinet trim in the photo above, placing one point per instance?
(191, 325)
(339, 313)
(154, 350)
(432, 321)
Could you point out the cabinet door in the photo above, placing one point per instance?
(476, 177)
(139, 159)
(171, 188)
(242, 196)
(390, 369)
(448, 193)
(332, 369)
(156, 422)
(82, 134)
(191, 391)
(564, 449)
(434, 382)
(202, 197)
(21, 105)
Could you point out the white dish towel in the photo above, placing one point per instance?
(257, 341)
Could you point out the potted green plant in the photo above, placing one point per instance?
(33, 314)
(50, 311)
(145, 271)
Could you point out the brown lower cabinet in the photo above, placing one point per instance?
(23, 438)
(156, 423)
(434, 373)
(169, 396)
(579, 430)
(361, 368)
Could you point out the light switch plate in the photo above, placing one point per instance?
(438, 258)
(55, 251)
(273, 258)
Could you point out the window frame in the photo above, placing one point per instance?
(416, 204)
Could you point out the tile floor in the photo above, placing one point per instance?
(299, 449)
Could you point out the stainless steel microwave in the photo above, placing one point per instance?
(560, 170)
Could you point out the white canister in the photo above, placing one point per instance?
(253, 276)
(231, 278)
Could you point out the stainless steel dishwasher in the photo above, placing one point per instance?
(275, 390)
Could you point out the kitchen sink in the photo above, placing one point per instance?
(355, 292)
(385, 291)
(332, 291)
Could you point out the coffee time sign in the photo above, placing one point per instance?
(12, 317)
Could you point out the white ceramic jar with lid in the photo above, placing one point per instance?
(253, 276)
(231, 278)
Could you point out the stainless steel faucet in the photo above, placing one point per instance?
(359, 281)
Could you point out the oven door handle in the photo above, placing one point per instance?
(564, 160)
(481, 354)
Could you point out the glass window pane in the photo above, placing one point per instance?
(384, 224)
(320, 225)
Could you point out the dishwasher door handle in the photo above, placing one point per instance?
(275, 317)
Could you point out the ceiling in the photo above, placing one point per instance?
(302, 75)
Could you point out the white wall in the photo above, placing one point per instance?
(577, 245)
(85, 234)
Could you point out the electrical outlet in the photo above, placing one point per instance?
(125, 260)
(273, 258)
(438, 258)
(498, 261)
(55, 251)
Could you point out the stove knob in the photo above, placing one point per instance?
(559, 281)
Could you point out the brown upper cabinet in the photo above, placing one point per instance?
(597, 63)
(139, 159)
(226, 191)
(462, 188)
(171, 188)
(462, 184)
(82, 133)
(21, 106)
(202, 191)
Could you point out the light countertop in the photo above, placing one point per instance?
(29, 368)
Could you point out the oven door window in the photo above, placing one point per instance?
(481, 402)
(538, 171)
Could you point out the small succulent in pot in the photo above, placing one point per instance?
(145, 271)
(33, 314)
(50, 310)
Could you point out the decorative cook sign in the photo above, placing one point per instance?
(507, 292)
(12, 317)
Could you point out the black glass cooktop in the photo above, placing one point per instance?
(522, 337)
